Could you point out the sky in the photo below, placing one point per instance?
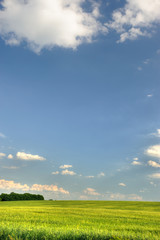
(79, 99)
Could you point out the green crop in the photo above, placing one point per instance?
(78, 220)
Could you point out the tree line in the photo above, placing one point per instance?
(19, 197)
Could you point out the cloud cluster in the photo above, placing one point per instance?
(153, 164)
(50, 188)
(136, 18)
(91, 191)
(65, 166)
(67, 172)
(9, 185)
(29, 157)
(49, 23)
(153, 151)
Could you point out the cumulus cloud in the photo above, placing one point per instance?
(153, 151)
(10, 156)
(67, 172)
(91, 191)
(49, 23)
(50, 188)
(122, 184)
(2, 155)
(153, 164)
(157, 133)
(29, 157)
(136, 18)
(65, 166)
(2, 135)
(101, 174)
(55, 173)
(155, 175)
(136, 163)
(135, 159)
(9, 185)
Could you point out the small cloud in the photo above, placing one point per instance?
(135, 159)
(10, 156)
(2, 155)
(153, 151)
(65, 166)
(11, 167)
(134, 197)
(155, 175)
(139, 68)
(157, 134)
(67, 172)
(153, 164)
(158, 51)
(122, 184)
(101, 174)
(89, 176)
(2, 135)
(91, 191)
(29, 157)
(55, 173)
(136, 163)
(150, 95)
(146, 61)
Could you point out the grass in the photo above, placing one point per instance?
(78, 220)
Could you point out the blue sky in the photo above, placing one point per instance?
(79, 99)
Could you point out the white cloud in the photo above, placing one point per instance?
(136, 163)
(135, 159)
(29, 157)
(146, 61)
(91, 191)
(89, 176)
(119, 196)
(150, 95)
(55, 173)
(136, 18)
(153, 151)
(157, 134)
(10, 156)
(65, 166)
(2, 135)
(155, 175)
(67, 172)
(101, 174)
(153, 164)
(62, 23)
(122, 184)
(139, 68)
(50, 188)
(8, 185)
(11, 167)
(2, 155)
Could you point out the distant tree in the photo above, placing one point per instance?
(19, 197)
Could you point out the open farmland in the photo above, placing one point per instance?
(79, 220)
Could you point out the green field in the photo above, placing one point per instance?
(79, 220)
